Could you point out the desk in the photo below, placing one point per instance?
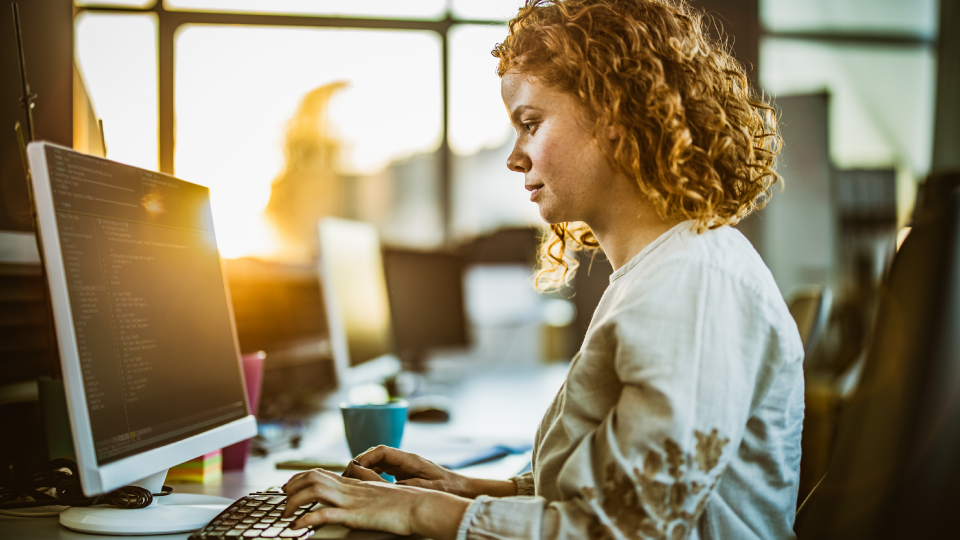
(503, 405)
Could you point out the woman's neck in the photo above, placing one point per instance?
(628, 225)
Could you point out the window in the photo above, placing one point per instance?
(117, 57)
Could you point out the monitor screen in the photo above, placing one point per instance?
(149, 310)
(355, 289)
(426, 299)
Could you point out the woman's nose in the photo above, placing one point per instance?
(518, 160)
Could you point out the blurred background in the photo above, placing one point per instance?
(389, 112)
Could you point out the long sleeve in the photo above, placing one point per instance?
(653, 410)
(524, 483)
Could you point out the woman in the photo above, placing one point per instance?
(681, 415)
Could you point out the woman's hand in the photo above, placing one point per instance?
(373, 505)
(412, 470)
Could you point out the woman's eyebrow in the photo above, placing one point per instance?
(515, 115)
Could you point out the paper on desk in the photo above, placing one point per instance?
(460, 453)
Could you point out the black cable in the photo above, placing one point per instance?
(66, 490)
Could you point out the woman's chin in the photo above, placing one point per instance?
(552, 218)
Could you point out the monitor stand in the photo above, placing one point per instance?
(174, 513)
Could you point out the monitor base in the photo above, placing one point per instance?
(174, 513)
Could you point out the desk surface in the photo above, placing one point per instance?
(503, 406)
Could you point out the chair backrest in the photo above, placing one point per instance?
(809, 307)
(894, 470)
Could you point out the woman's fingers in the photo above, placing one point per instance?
(294, 477)
(359, 472)
(383, 457)
(323, 516)
(313, 486)
(397, 463)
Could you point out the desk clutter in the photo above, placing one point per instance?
(205, 469)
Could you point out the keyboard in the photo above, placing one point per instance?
(257, 515)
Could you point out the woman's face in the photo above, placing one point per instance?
(564, 169)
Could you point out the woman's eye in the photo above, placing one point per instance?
(530, 127)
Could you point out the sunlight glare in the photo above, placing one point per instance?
(237, 87)
(117, 58)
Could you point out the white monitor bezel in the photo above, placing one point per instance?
(94, 478)
(374, 370)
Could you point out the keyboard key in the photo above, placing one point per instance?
(216, 534)
(277, 500)
(258, 513)
(262, 497)
(275, 514)
(272, 532)
(288, 519)
(250, 520)
(268, 520)
(245, 510)
(252, 533)
(253, 503)
(295, 533)
(299, 512)
(234, 532)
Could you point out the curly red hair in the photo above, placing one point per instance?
(699, 143)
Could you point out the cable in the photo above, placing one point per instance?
(51, 485)
(28, 514)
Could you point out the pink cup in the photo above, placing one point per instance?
(235, 455)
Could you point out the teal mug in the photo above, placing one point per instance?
(367, 426)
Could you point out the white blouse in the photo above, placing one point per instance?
(681, 415)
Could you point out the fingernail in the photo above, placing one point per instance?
(357, 463)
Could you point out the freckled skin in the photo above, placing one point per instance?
(568, 174)
(555, 150)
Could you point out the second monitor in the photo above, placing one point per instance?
(384, 305)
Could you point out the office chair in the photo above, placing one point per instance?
(894, 470)
(809, 307)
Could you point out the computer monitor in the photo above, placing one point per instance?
(147, 346)
(426, 301)
(278, 309)
(357, 305)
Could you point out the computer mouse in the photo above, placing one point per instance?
(429, 409)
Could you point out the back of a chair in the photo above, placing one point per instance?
(894, 470)
(809, 307)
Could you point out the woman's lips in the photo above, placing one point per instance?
(534, 191)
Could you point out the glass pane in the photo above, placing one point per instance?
(117, 58)
(400, 9)
(347, 120)
(914, 17)
(489, 10)
(487, 195)
(882, 99)
(142, 4)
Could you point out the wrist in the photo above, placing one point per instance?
(437, 515)
(493, 488)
